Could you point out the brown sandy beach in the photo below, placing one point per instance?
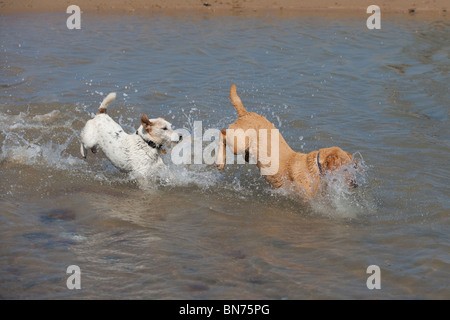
(326, 7)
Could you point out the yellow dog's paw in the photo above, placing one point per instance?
(220, 166)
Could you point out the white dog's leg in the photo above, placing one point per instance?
(83, 150)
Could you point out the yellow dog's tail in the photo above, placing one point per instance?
(236, 101)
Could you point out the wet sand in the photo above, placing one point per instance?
(422, 8)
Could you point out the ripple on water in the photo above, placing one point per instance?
(195, 231)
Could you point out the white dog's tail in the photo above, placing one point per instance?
(105, 103)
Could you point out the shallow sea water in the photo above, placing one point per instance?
(204, 234)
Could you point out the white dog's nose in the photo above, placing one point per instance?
(176, 137)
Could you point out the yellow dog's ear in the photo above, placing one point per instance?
(332, 161)
(335, 158)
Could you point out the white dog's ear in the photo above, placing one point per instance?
(145, 121)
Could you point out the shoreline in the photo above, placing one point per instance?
(407, 8)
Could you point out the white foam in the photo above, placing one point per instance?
(180, 176)
(31, 140)
(47, 117)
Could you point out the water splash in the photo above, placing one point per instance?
(338, 199)
(47, 138)
(37, 139)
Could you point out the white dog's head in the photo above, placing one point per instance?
(159, 132)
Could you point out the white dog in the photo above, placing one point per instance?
(138, 153)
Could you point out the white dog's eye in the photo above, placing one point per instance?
(165, 128)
